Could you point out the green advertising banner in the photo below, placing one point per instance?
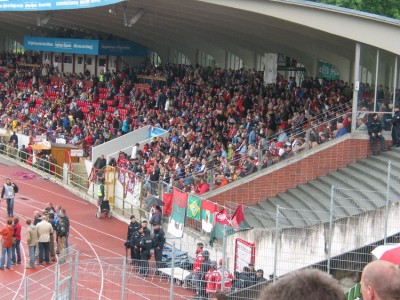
(327, 71)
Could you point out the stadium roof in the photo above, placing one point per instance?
(300, 29)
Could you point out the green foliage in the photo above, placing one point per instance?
(387, 8)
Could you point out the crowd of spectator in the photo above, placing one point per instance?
(225, 120)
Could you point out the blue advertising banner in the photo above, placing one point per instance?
(82, 46)
(40, 5)
(122, 48)
(78, 46)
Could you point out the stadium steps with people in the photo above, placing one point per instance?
(362, 188)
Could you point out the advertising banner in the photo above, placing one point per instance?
(40, 5)
(79, 46)
(83, 46)
(122, 48)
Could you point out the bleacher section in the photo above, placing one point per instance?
(364, 176)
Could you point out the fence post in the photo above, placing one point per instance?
(223, 260)
(387, 202)
(171, 295)
(328, 264)
(276, 242)
(123, 283)
(56, 288)
(26, 296)
(76, 277)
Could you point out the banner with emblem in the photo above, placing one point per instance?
(207, 215)
(177, 219)
(194, 207)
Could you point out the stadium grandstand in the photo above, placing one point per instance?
(255, 112)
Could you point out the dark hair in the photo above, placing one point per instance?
(219, 296)
(309, 284)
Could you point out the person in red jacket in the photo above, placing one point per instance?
(6, 234)
(16, 249)
(226, 276)
(211, 279)
(198, 261)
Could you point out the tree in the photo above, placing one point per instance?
(387, 8)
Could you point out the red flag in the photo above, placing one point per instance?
(167, 199)
(238, 217)
(223, 218)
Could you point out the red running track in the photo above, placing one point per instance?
(94, 238)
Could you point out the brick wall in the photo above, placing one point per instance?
(309, 168)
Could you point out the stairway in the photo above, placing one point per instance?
(362, 187)
(79, 179)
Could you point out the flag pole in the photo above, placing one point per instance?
(223, 259)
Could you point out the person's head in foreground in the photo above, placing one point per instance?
(380, 280)
(219, 296)
(309, 284)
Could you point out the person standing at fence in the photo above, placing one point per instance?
(210, 279)
(223, 278)
(6, 244)
(9, 191)
(16, 247)
(198, 261)
(156, 215)
(44, 229)
(159, 242)
(375, 133)
(380, 280)
(396, 127)
(32, 242)
(146, 244)
(200, 276)
(146, 230)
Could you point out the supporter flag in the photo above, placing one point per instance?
(167, 199)
(222, 223)
(207, 215)
(177, 219)
(194, 207)
(238, 217)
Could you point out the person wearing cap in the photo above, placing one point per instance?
(158, 242)
(260, 276)
(145, 245)
(134, 243)
(132, 228)
(396, 127)
(146, 231)
(9, 190)
(252, 271)
(61, 234)
(375, 133)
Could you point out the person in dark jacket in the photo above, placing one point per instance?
(134, 243)
(375, 133)
(145, 244)
(158, 242)
(156, 216)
